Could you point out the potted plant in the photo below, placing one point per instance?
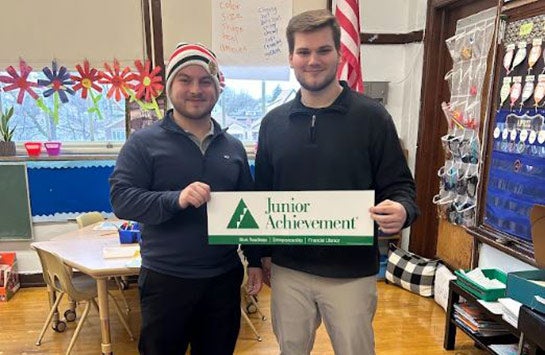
(7, 146)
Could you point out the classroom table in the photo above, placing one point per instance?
(82, 250)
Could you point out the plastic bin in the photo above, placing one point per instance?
(480, 292)
(53, 148)
(130, 234)
(33, 149)
(522, 287)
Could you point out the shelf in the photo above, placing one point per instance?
(484, 341)
(495, 317)
(451, 325)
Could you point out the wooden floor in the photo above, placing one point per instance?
(404, 324)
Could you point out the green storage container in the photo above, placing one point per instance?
(486, 294)
(521, 288)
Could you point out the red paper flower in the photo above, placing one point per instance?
(19, 81)
(118, 79)
(149, 83)
(87, 79)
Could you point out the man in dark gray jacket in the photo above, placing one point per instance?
(329, 138)
(189, 290)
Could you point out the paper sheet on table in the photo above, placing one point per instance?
(494, 307)
(121, 251)
(511, 310)
(108, 226)
(510, 305)
(135, 262)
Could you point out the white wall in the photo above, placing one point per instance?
(27, 259)
(393, 16)
(401, 65)
(493, 258)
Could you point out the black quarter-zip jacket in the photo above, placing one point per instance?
(153, 166)
(350, 145)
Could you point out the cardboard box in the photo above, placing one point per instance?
(528, 287)
(9, 278)
(537, 221)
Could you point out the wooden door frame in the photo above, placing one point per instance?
(429, 153)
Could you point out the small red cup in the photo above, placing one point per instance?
(33, 149)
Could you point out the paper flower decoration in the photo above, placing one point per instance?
(57, 82)
(149, 84)
(87, 81)
(120, 80)
(19, 81)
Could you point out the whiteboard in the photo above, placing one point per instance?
(251, 33)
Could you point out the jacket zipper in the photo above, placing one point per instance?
(313, 129)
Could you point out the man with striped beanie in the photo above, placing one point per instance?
(194, 54)
(189, 290)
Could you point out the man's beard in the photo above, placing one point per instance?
(318, 86)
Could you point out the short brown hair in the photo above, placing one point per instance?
(310, 21)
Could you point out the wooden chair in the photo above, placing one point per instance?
(251, 305)
(88, 218)
(59, 280)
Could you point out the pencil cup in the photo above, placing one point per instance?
(129, 236)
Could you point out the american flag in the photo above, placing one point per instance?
(348, 15)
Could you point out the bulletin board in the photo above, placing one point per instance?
(64, 189)
(15, 217)
(516, 177)
(514, 159)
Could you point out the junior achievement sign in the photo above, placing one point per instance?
(286, 217)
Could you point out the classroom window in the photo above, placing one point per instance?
(243, 104)
(75, 120)
(240, 108)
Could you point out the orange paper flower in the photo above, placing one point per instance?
(87, 80)
(149, 83)
(118, 79)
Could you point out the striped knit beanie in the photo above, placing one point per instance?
(193, 54)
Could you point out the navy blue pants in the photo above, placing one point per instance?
(204, 313)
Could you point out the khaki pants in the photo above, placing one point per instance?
(299, 302)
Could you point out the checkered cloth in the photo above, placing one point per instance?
(410, 271)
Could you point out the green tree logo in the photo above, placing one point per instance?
(242, 218)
